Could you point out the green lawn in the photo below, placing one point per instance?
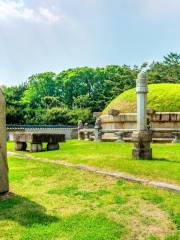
(165, 165)
(53, 202)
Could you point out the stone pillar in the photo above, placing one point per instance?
(142, 137)
(86, 132)
(80, 126)
(4, 183)
(97, 131)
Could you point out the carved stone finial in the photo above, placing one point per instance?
(141, 82)
(142, 74)
(80, 124)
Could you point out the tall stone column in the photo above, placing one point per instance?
(80, 126)
(4, 183)
(97, 130)
(142, 137)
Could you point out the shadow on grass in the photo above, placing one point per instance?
(164, 160)
(39, 225)
(24, 211)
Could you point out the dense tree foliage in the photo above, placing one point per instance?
(76, 93)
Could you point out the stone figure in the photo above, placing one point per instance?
(97, 130)
(4, 184)
(80, 126)
(98, 123)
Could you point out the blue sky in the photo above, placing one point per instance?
(52, 35)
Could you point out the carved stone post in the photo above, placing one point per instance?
(86, 133)
(97, 132)
(4, 183)
(80, 126)
(142, 137)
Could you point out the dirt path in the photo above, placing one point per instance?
(118, 175)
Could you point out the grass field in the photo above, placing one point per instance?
(165, 165)
(53, 202)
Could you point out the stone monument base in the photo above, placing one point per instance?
(142, 149)
(142, 153)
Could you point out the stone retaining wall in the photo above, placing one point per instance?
(163, 124)
(160, 120)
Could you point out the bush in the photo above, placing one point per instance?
(56, 115)
(79, 114)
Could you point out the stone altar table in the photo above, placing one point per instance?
(36, 140)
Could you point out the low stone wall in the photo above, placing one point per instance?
(162, 124)
(70, 133)
(165, 127)
(158, 120)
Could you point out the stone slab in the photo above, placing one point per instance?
(39, 137)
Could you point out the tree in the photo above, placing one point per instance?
(15, 109)
(76, 93)
(172, 59)
(56, 115)
(50, 102)
(77, 114)
(166, 71)
(39, 86)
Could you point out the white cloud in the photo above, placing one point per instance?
(48, 15)
(16, 9)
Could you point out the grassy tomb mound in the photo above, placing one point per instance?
(163, 97)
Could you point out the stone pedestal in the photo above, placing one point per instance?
(79, 134)
(52, 146)
(97, 134)
(36, 147)
(20, 146)
(142, 148)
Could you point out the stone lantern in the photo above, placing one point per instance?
(142, 137)
(4, 184)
